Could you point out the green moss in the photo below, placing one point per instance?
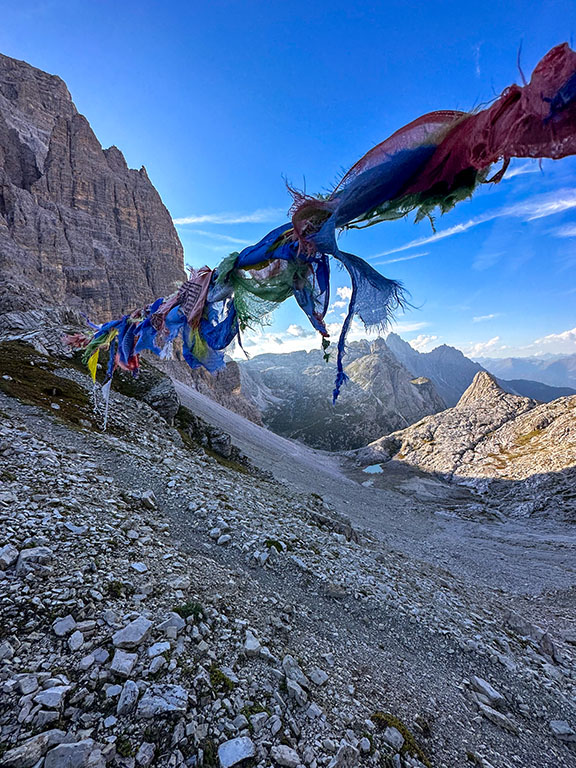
(220, 681)
(525, 439)
(385, 720)
(189, 609)
(32, 379)
(253, 709)
(210, 751)
(229, 463)
(115, 589)
(124, 747)
(269, 543)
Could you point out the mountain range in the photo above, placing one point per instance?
(294, 394)
(391, 385)
(556, 371)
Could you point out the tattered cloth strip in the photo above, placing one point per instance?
(432, 163)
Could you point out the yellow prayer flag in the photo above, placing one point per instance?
(93, 364)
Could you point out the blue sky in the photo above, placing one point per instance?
(222, 101)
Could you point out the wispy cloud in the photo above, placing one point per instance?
(482, 318)
(260, 216)
(569, 230)
(531, 166)
(403, 258)
(218, 236)
(528, 210)
(476, 52)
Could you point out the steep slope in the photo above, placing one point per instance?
(159, 603)
(293, 392)
(77, 226)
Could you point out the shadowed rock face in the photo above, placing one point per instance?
(294, 394)
(77, 226)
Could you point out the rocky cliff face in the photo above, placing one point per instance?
(449, 369)
(77, 226)
(452, 373)
(528, 448)
(294, 394)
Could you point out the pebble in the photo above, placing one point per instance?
(52, 698)
(251, 644)
(563, 730)
(71, 755)
(64, 626)
(161, 700)
(76, 641)
(145, 754)
(8, 556)
(31, 751)
(128, 697)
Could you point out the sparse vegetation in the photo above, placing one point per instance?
(189, 609)
(220, 681)
(385, 720)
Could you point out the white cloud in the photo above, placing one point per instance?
(482, 318)
(561, 342)
(295, 337)
(299, 332)
(345, 292)
(423, 342)
(569, 230)
(403, 258)
(260, 216)
(481, 347)
(532, 209)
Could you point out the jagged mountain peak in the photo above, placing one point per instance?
(484, 387)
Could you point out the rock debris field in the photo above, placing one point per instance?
(163, 606)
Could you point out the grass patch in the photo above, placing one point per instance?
(189, 609)
(385, 720)
(220, 681)
(525, 439)
(269, 543)
(32, 380)
(124, 747)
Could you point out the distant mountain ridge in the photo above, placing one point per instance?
(448, 367)
(452, 373)
(556, 371)
(294, 394)
(391, 386)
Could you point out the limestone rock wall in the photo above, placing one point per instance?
(77, 226)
